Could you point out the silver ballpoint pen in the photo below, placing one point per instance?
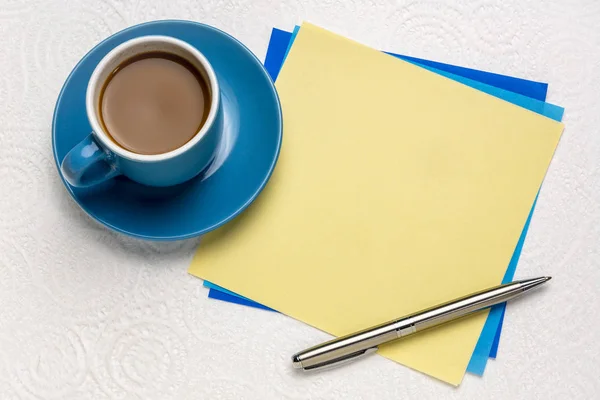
(347, 348)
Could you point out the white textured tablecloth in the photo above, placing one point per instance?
(88, 314)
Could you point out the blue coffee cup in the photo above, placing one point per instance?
(98, 158)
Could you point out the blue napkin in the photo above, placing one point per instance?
(525, 93)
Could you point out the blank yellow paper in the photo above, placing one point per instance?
(396, 189)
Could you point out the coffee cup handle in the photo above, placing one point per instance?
(88, 164)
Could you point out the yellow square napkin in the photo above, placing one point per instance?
(396, 189)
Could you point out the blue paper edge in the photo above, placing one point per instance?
(493, 325)
(525, 91)
(496, 343)
(219, 295)
(274, 58)
(289, 44)
(531, 89)
(227, 295)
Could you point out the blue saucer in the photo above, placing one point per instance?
(244, 162)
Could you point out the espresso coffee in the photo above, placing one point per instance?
(154, 103)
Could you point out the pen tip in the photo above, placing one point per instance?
(296, 362)
(531, 283)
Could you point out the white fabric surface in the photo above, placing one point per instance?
(88, 314)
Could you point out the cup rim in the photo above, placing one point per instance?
(92, 113)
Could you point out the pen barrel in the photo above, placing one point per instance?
(346, 347)
(464, 306)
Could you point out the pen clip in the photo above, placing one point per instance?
(335, 362)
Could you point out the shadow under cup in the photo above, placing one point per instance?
(98, 159)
